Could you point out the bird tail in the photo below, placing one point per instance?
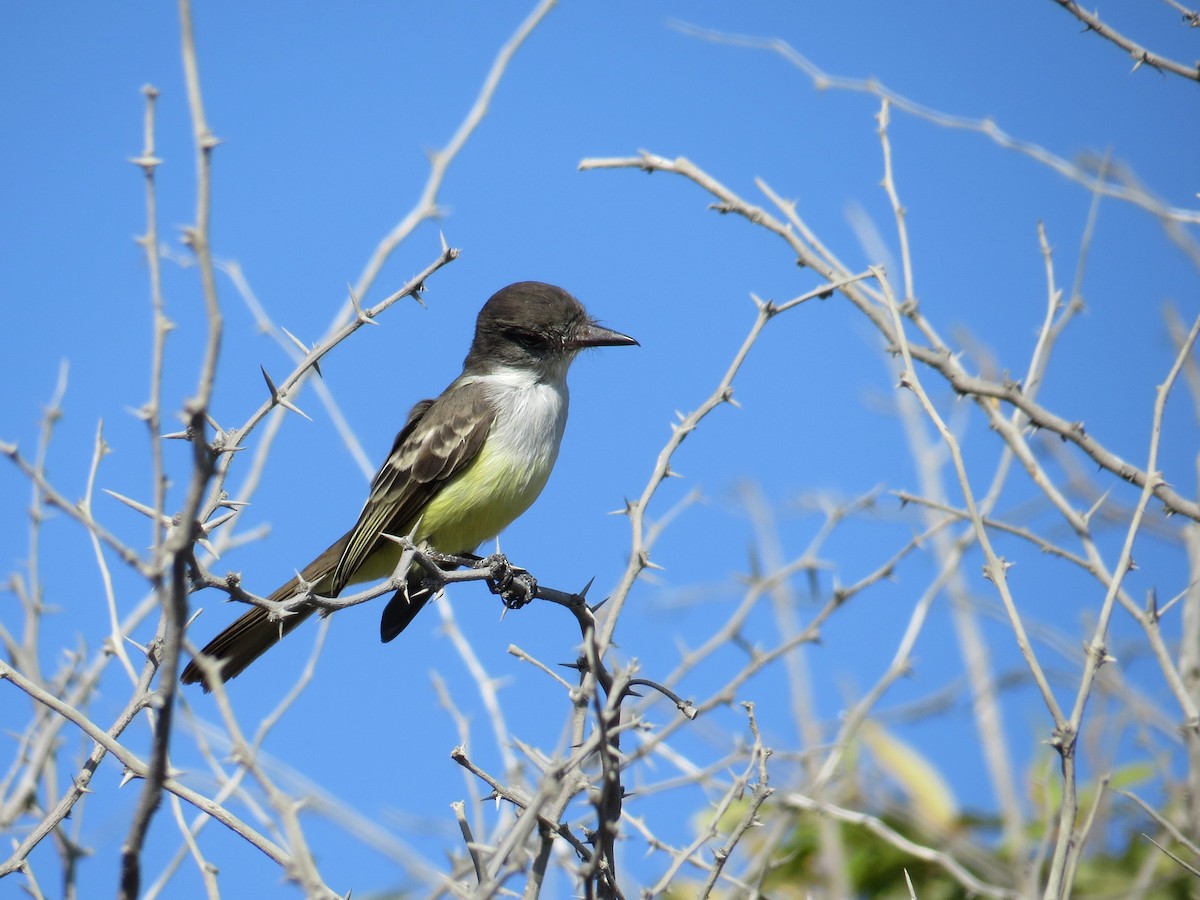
(406, 603)
(402, 609)
(254, 633)
(250, 636)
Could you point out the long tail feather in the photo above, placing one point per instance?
(253, 633)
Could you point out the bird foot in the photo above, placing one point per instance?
(514, 585)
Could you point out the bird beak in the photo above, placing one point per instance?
(592, 335)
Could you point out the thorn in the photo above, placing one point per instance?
(303, 586)
(587, 587)
(135, 505)
(278, 399)
(286, 404)
(270, 384)
(358, 310)
(148, 163)
(1087, 516)
(420, 288)
(630, 506)
(305, 350)
(211, 524)
(295, 340)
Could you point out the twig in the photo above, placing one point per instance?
(177, 547)
(139, 768)
(985, 705)
(758, 795)
(426, 206)
(1141, 56)
(636, 510)
(1163, 822)
(151, 413)
(987, 127)
(1066, 851)
(995, 569)
(880, 829)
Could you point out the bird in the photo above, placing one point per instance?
(462, 468)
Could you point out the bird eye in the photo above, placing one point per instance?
(528, 339)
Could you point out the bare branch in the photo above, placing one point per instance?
(1141, 56)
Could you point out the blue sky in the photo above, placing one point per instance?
(326, 112)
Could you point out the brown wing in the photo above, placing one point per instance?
(439, 438)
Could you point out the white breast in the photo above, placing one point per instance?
(531, 419)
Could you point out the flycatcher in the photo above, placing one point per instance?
(463, 467)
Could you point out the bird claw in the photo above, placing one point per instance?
(514, 585)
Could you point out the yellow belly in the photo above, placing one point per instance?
(480, 502)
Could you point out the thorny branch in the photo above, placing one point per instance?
(1141, 56)
(938, 358)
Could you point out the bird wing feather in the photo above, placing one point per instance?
(438, 440)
